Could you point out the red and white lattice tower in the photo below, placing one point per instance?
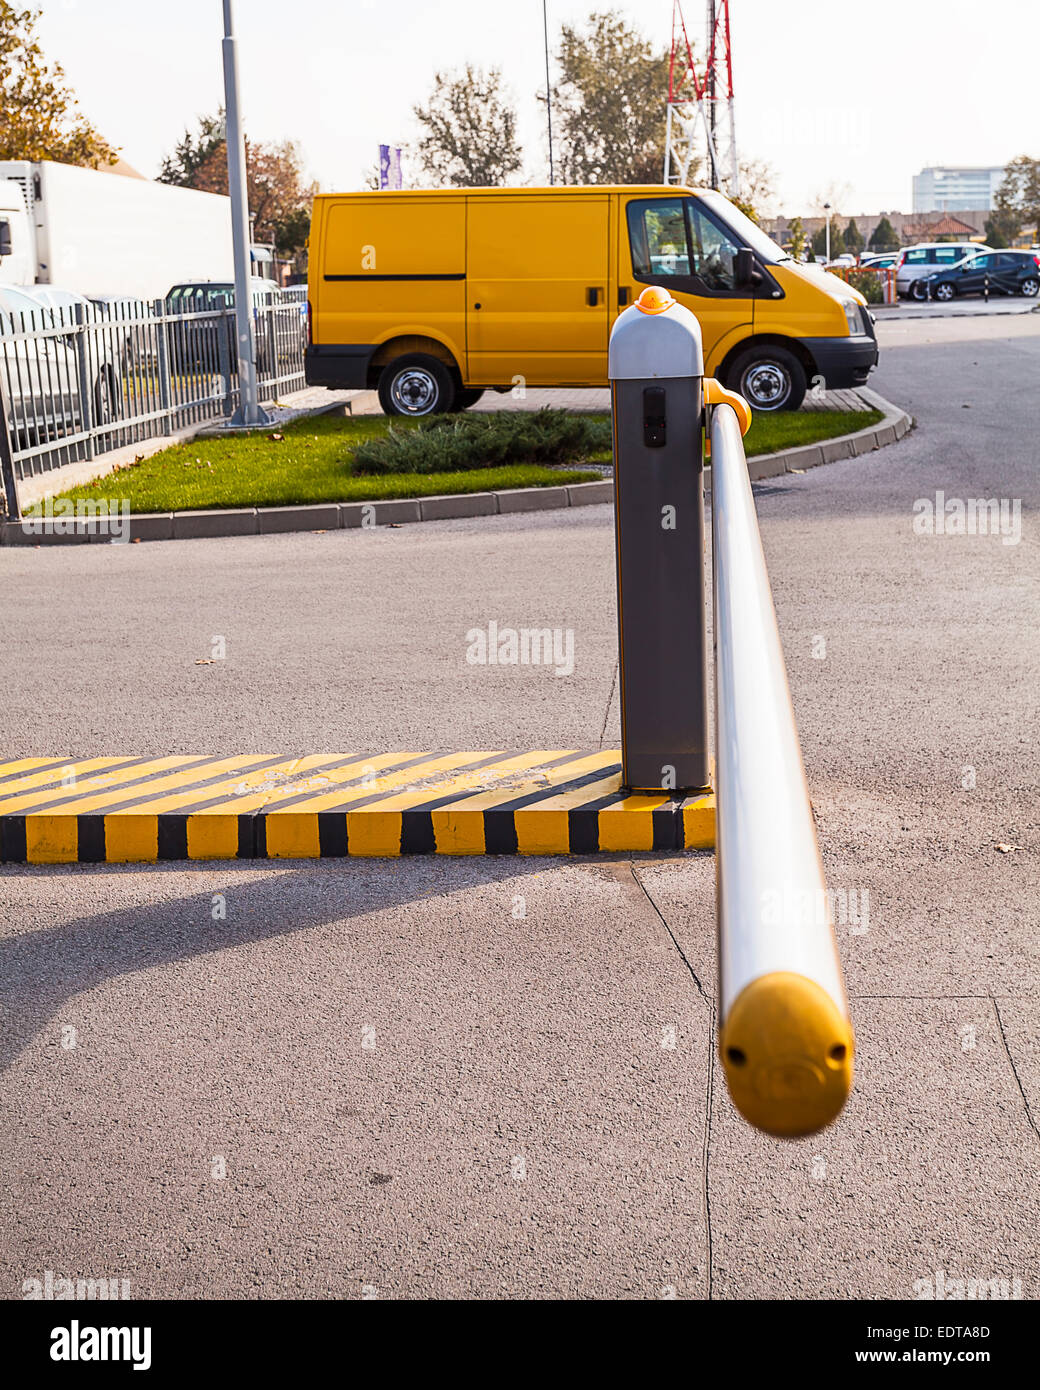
(700, 127)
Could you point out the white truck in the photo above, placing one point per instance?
(104, 234)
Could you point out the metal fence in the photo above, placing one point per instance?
(79, 381)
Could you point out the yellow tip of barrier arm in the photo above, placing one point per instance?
(787, 1051)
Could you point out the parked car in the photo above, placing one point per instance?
(40, 369)
(1001, 272)
(881, 260)
(846, 258)
(133, 333)
(195, 344)
(915, 262)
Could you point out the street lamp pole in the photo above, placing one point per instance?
(250, 411)
(827, 210)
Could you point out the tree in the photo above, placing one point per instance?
(797, 234)
(883, 237)
(279, 200)
(819, 241)
(193, 152)
(1018, 197)
(756, 187)
(853, 238)
(39, 114)
(1002, 227)
(469, 130)
(607, 106)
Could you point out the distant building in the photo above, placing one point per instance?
(965, 225)
(946, 189)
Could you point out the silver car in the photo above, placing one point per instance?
(40, 371)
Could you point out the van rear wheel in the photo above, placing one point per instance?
(769, 378)
(416, 385)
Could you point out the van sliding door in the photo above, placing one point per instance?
(538, 290)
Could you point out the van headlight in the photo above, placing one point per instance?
(852, 316)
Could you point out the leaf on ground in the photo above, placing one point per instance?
(1008, 849)
(277, 437)
(204, 660)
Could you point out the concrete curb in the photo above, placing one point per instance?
(895, 424)
(333, 516)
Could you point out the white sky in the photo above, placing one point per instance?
(830, 96)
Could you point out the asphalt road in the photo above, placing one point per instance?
(430, 1078)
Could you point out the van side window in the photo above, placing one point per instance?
(917, 256)
(949, 255)
(674, 236)
(657, 232)
(714, 254)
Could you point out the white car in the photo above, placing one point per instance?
(40, 369)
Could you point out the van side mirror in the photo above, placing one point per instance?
(5, 238)
(744, 272)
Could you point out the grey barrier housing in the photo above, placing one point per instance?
(656, 368)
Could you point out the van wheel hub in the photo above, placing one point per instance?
(414, 391)
(765, 385)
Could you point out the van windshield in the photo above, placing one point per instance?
(747, 232)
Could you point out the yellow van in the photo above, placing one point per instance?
(433, 296)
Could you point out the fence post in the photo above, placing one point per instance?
(86, 399)
(7, 465)
(162, 343)
(225, 328)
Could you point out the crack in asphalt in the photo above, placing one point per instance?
(1014, 1069)
(710, 1069)
(610, 700)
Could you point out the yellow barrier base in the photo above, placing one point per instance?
(139, 810)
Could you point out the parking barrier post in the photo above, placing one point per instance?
(656, 366)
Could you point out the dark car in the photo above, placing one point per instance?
(993, 272)
(208, 344)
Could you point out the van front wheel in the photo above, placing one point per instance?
(416, 385)
(769, 378)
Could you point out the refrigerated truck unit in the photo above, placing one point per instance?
(99, 233)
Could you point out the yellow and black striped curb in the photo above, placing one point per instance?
(140, 810)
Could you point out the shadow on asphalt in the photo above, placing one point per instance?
(40, 971)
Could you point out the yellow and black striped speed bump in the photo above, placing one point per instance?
(123, 810)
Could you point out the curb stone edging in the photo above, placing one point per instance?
(332, 516)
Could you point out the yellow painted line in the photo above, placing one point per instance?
(142, 796)
(12, 797)
(51, 840)
(373, 833)
(370, 831)
(376, 786)
(544, 828)
(458, 832)
(212, 837)
(295, 836)
(25, 765)
(131, 839)
(459, 829)
(699, 824)
(629, 824)
(264, 800)
(464, 784)
(553, 777)
(242, 772)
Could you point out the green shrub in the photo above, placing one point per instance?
(868, 282)
(487, 439)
